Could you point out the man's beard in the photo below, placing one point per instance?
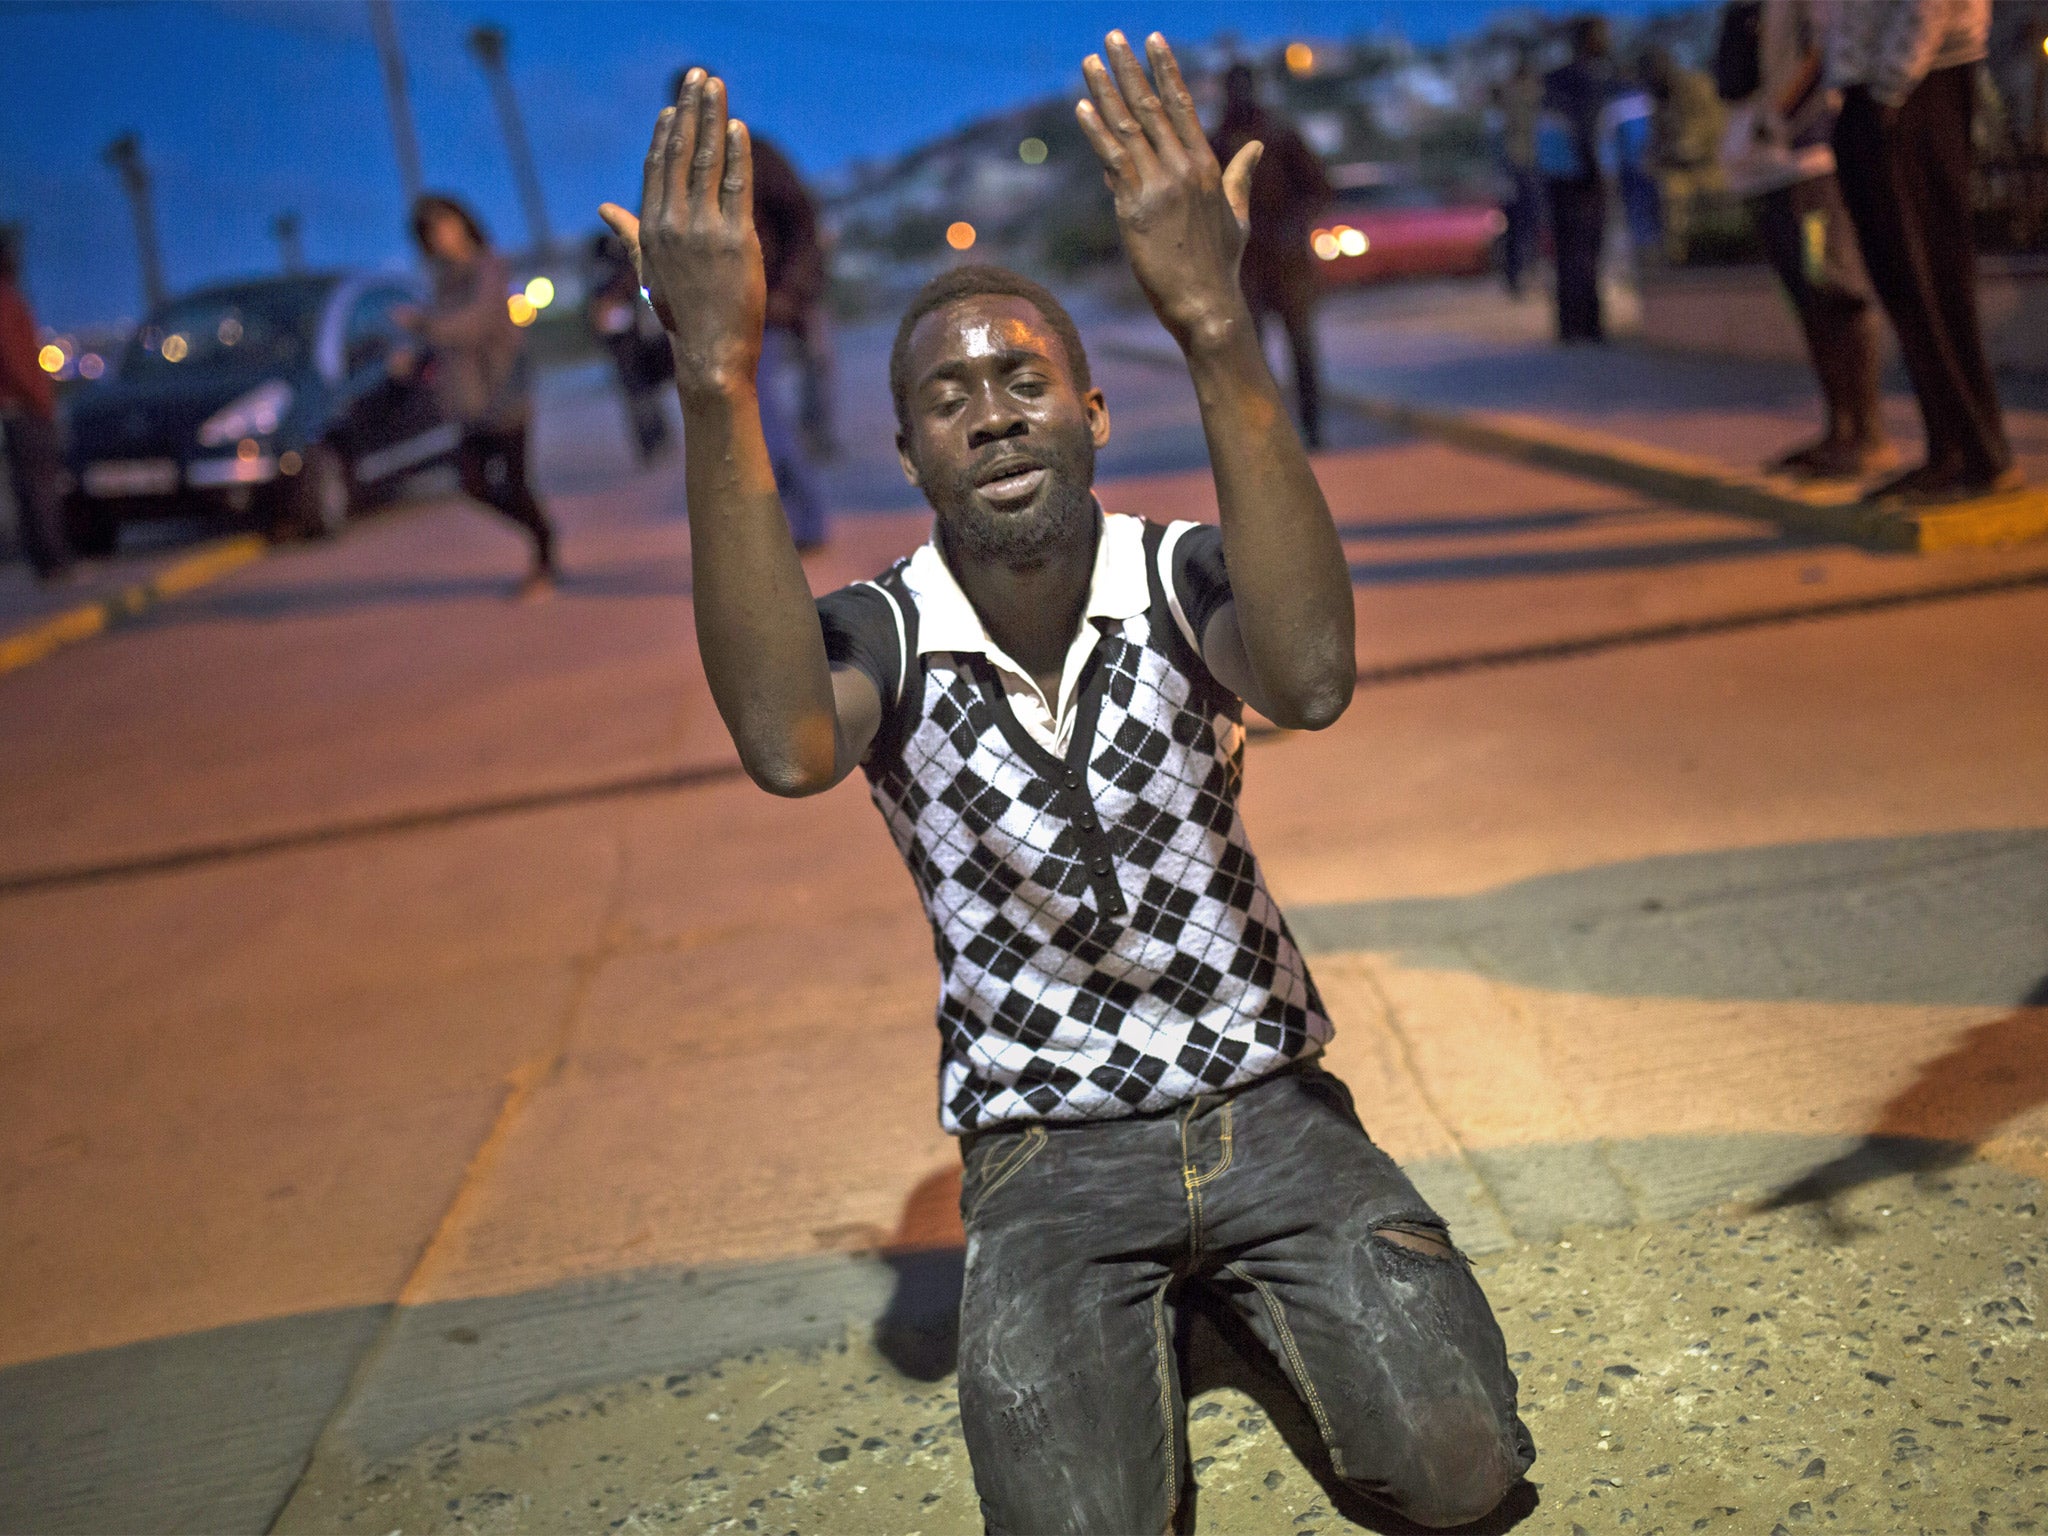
(1064, 515)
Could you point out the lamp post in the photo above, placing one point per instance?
(488, 42)
(384, 27)
(125, 156)
(285, 228)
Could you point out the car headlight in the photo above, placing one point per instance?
(255, 414)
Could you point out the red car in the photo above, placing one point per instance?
(1375, 233)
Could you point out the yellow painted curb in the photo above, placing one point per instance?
(88, 619)
(1831, 512)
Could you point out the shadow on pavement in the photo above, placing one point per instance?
(1954, 1103)
(1566, 562)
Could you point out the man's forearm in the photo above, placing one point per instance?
(1288, 574)
(757, 626)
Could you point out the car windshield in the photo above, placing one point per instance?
(242, 329)
(1387, 196)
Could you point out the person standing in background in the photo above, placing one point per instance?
(793, 374)
(1686, 121)
(1776, 156)
(1289, 188)
(626, 328)
(477, 364)
(1568, 140)
(1902, 155)
(28, 417)
(1516, 102)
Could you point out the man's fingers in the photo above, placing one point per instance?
(625, 226)
(736, 186)
(1179, 100)
(681, 148)
(707, 166)
(1111, 153)
(651, 169)
(1237, 182)
(1143, 100)
(1116, 116)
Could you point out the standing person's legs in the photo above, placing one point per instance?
(1807, 237)
(1070, 1396)
(1932, 142)
(36, 468)
(1577, 211)
(1524, 212)
(803, 503)
(1890, 204)
(492, 467)
(1349, 1278)
(1297, 309)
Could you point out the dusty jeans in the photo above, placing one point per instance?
(1080, 1240)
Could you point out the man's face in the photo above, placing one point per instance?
(448, 237)
(1000, 438)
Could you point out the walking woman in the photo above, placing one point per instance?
(478, 367)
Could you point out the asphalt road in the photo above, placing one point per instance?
(410, 1014)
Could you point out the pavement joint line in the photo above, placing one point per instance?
(1689, 480)
(207, 564)
(675, 780)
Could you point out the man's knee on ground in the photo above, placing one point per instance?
(1460, 1464)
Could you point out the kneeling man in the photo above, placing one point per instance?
(1048, 705)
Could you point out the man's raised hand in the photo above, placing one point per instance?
(1183, 217)
(693, 243)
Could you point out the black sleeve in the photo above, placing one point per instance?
(860, 632)
(1201, 585)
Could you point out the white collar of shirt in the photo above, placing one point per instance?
(946, 621)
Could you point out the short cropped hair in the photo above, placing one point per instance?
(972, 281)
(430, 203)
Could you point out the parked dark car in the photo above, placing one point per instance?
(272, 397)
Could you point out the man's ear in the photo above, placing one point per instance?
(1097, 409)
(903, 458)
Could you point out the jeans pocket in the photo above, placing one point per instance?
(991, 1171)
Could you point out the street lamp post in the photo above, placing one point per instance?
(125, 156)
(488, 42)
(285, 227)
(384, 26)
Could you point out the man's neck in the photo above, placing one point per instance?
(1031, 611)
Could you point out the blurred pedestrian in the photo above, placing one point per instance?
(1776, 156)
(28, 417)
(477, 364)
(1627, 143)
(1686, 121)
(1289, 188)
(624, 324)
(1568, 151)
(794, 376)
(1516, 102)
(1902, 153)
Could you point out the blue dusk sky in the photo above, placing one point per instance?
(250, 107)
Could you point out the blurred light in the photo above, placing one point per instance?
(1300, 58)
(1352, 242)
(521, 309)
(174, 348)
(540, 292)
(2044, 45)
(289, 462)
(230, 331)
(1032, 151)
(1324, 244)
(249, 415)
(247, 449)
(52, 358)
(91, 366)
(960, 236)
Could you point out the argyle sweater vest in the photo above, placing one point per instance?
(1106, 942)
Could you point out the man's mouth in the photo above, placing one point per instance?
(1009, 482)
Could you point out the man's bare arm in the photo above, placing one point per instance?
(1285, 642)
(800, 725)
